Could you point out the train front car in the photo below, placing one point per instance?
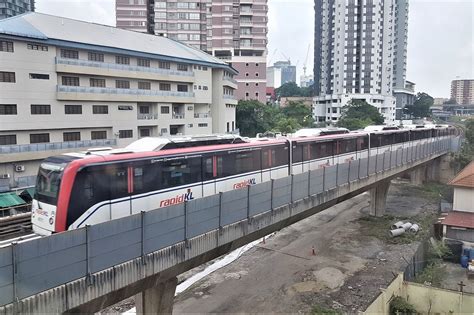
(44, 209)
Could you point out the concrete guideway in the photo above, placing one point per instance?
(97, 290)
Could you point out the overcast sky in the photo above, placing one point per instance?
(440, 35)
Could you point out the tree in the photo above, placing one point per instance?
(466, 154)
(253, 117)
(288, 89)
(287, 125)
(358, 114)
(421, 106)
(300, 112)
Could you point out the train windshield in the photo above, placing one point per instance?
(48, 181)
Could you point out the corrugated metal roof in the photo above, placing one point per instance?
(465, 178)
(49, 27)
(10, 199)
(460, 219)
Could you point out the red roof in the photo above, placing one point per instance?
(460, 219)
(465, 178)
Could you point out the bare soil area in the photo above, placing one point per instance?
(353, 258)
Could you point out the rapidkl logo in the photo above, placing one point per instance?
(245, 183)
(178, 199)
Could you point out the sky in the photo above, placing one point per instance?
(440, 36)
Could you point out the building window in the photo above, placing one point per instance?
(122, 84)
(144, 85)
(228, 126)
(163, 131)
(71, 136)
(40, 109)
(97, 82)
(182, 67)
(125, 133)
(164, 65)
(8, 109)
(205, 88)
(70, 81)
(39, 76)
(144, 133)
(7, 139)
(125, 107)
(6, 46)
(100, 109)
(202, 125)
(69, 53)
(73, 109)
(7, 77)
(165, 87)
(31, 46)
(144, 109)
(93, 56)
(182, 88)
(122, 60)
(143, 62)
(204, 68)
(98, 135)
(39, 138)
(165, 109)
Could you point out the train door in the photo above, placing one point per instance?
(210, 167)
(297, 153)
(120, 204)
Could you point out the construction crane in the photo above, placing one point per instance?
(271, 58)
(306, 60)
(286, 58)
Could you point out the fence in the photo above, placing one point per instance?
(34, 266)
(20, 148)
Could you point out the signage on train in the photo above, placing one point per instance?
(245, 183)
(178, 199)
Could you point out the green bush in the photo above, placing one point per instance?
(398, 305)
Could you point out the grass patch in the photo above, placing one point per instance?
(379, 227)
(399, 305)
(432, 274)
(319, 309)
(437, 191)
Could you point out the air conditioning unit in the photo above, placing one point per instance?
(4, 175)
(19, 168)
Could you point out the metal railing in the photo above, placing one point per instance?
(202, 115)
(147, 116)
(85, 89)
(178, 116)
(226, 78)
(229, 97)
(21, 148)
(114, 66)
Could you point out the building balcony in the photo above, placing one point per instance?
(87, 67)
(54, 146)
(147, 116)
(178, 116)
(77, 93)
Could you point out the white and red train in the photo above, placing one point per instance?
(74, 190)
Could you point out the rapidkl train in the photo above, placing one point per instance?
(79, 189)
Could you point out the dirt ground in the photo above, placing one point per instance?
(353, 258)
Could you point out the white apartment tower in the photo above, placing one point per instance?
(355, 56)
(232, 30)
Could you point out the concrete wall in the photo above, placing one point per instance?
(425, 299)
(463, 199)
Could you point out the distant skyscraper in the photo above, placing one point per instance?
(280, 73)
(356, 55)
(462, 91)
(234, 30)
(9, 8)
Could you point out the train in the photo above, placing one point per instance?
(78, 189)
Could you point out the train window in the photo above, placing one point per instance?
(346, 146)
(207, 166)
(387, 139)
(118, 177)
(281, 156)
(306, 152)
(324, 149)
(91, 186)
(375, 140)
(297, 153)
(138, 179)
(268, 155)
(362, 143)
(180, 172)
(247, 162)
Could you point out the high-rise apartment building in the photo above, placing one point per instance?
(355, 55)
(462, 91)
(280, 73)
(9, 8)
(62, 90)
(231, 30)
